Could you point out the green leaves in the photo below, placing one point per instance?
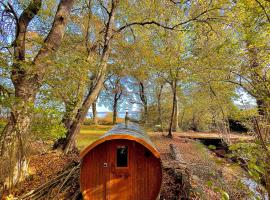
(46, 124)
(252, 156)
(224, 195)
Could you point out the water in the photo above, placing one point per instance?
(133, 114)
(255, 188)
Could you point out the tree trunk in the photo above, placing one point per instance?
(71, 110)
(26, 84)
(263, 106)
(176, 114)
(93, 93)
(175, 126)
(115, 108)
(14, 138)
(144, 102)
(69, 143)
(159, 107)
(67, 120)
(94, 111)
(194, 124)
(260, 89)
(174, 85)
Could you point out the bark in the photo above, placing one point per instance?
(21, 29)
(174, 85)
(260, 89)
(262, 131)
(176, 114)
(67, 120)
(71, 111)
(26, 84)
(94, 107)
(69, 143)
(118, 94)
(115, 109)
(71, 108)
(11, 141)
(94, 111)
(92, 94)
(263, 106)
(159, 107)
(13, 144)
(144, 101)
(194, 124)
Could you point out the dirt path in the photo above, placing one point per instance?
(211, 177)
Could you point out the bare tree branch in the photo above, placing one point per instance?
(101, 4)
(12, 10)
(9, 9)
(179, 2)
(165, 26)
(264, 10)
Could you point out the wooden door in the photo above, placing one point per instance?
(135, 174)
(95, 173)
(121, 160)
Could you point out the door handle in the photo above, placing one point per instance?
(105, 164)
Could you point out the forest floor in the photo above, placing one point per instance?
(211, 176)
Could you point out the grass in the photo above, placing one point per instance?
(89, 134)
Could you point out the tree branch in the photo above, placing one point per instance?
(5, 91)
(54, 38)
(12, 10)
(264, 10)
(28, 14)
(101, 4)
(165, 26)
(179, 2)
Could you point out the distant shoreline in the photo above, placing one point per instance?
(119, 114)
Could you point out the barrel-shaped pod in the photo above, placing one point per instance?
(123, 164)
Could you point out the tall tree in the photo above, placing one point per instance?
(112, 95)
(253, 36)
(27, 76)
(99, 78)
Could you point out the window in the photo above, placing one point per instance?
(122, 156)
(147, 153)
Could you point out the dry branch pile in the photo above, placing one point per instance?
(63, 186)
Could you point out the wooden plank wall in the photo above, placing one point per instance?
(140, 181)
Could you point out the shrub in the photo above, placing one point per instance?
(88, 122)
(46, 124)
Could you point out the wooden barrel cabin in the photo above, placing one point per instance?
(123, 164)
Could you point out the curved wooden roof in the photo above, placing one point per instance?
(120, 131)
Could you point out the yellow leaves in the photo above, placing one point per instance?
(10, 197)
(49, 7)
